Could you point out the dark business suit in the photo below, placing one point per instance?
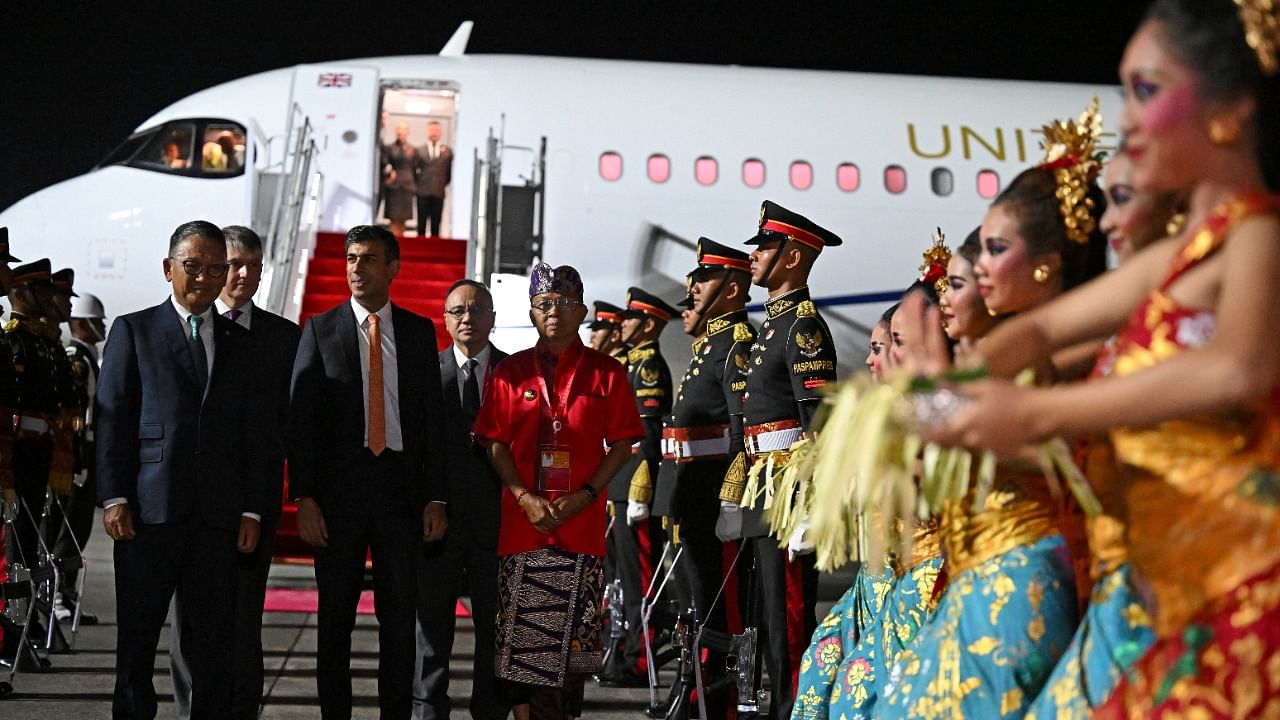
(274, 340)
(368, 502)
(468, 551)
(432, 177)
(188, 468)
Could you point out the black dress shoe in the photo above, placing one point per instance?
(623, 680)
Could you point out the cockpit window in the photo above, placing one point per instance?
(169, 149)
(223, 149)
(193, 147)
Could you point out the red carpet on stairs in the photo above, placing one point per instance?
(428, 266)
(289, 600)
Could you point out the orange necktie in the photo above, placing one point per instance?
(377, 416)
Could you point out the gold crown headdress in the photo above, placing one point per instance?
(1070, 152)
(933, 271)
(1262, 31)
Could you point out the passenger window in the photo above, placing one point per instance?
(223, 149)
(659, 168)
(801, 175)
(170, 149)
(942, 181)
(895, 179)
(610, 166)
(988, 183)
(706, 170)
(753, 172)
(847, 177)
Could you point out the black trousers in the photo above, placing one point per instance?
(197, 562)
(430, 208)
(448, 568)
(377, 518)
(786, 599)
(79, 509)
(624, 546)
(246, 637)
(31, 459)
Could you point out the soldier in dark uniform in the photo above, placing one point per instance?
(631, 491)
(37, 402)
(55, 301)
(699, 440)
(792, 360)
(8, 410)
(606, 331)
(88, 328)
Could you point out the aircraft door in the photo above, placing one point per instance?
(341, 103)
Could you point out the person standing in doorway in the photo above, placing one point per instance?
(434, 171)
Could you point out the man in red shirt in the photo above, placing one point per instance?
(549, 414)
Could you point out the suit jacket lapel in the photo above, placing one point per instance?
(350, 343)
(449, 381)
(169, 325)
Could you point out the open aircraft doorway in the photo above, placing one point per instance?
(425, 109)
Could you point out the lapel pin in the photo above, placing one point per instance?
(530, 394)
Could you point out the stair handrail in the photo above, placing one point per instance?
(282, 252)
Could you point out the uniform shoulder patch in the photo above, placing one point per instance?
(742, 332)
(806, 309)
(12, 324)
(635, 356)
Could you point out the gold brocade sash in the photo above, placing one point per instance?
(1019, 511)
(1107, 551)
(1202, 499)
(926, 544)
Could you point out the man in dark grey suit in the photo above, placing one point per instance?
(274, 340)
(366, 438)
(179, 474)
(434, 171)
(467, 556)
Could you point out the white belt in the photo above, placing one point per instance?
(772, 441)
(680, 449)
(33, 424)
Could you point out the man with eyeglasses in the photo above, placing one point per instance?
(275, 340)
(464, 562)
(180, 474)
(550, 413)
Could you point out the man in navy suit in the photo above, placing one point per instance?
(179, 474)
(468, 556)
(274, 341)
(366, 425)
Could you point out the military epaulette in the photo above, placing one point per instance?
(742, 332)
(635, 356)
(806, 309)
(12, 324)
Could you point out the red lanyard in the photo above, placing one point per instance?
(559, 410)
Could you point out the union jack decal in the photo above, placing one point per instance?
(334, 80)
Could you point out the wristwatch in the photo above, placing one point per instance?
(591, 492)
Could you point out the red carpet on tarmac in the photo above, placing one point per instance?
(289, 600)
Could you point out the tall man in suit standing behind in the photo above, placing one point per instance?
(366, 430)
(435, 171)
(179, 474)
(469, 554)
(274, 341)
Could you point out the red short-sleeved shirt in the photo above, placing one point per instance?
(601, 411)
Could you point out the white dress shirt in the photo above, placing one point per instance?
(246, 312)
(482, 369)
(390, 376)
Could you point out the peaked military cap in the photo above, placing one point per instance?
(687, 302)
(714, 256)
(605, 315)
(777, 223)
(640, 303)
(5, 256)
(63, 280)
(33, 273)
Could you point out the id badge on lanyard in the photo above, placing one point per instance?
(555, 472)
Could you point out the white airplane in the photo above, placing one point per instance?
(614, 167)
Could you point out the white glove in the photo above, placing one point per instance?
(729, 524)
(798, 544)
(636, 511)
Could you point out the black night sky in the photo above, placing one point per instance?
(76, 77)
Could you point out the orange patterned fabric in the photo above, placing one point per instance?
(1200, 498)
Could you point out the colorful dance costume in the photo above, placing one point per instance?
(1201, 496)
